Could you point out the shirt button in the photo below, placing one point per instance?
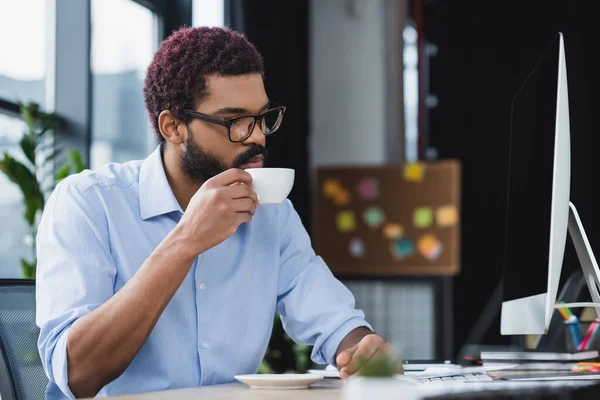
(204, 345)
(201, 286)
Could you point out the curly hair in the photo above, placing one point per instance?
(176, 77)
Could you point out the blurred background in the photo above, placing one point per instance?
(366, 83)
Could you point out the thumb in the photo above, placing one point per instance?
(345, 356)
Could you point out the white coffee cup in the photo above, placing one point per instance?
(272, 185)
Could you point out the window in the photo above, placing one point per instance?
(15, 241)
(208, 13)
(23, 60)
(124, 39)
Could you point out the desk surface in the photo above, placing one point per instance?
(326, 389)
(332, 389)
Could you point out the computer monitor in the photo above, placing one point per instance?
(538, 200)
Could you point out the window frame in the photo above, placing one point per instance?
(68, 73)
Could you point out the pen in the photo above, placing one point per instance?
(589, 336)
(589, 364)
(573, 323)
(563, 313)
(585, 369)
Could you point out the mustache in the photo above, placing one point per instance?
(254, 151)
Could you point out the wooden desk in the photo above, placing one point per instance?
(326, 389)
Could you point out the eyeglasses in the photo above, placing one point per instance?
(240, 128)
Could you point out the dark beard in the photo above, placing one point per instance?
(199, 165)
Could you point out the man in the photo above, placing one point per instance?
(165, 273)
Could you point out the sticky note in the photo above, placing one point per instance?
(368, 188)
(356, 247)
(373, 217)
(393, 231)
(341, 198)
(346, 221)
(331, 187)
(446, 215)
(402, 248)
(430, 247)
(423, 217)
(414, 172)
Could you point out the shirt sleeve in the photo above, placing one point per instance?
(75, 271)
(315, 307)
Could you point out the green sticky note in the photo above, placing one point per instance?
(423, 217)
(373, 217)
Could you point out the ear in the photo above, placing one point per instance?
(169, 127)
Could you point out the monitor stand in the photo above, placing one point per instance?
(588, 263)
(590, 270)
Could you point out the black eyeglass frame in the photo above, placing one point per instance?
(230, 121)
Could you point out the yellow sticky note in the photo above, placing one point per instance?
(346, 222)
(446, 215)
(414, 172)
(423, 217)
(393, 231)
(430, 247)
(341, 198)
(331, 187)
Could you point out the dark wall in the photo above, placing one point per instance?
(486, 50)
(279, 29)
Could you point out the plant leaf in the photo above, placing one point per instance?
(28, 112)
(76, 160)
(383, 365)
(18, 173)
(28, 146)
(63, 172)
(28, 268)
(264, 367)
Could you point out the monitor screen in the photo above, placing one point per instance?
(531, 155)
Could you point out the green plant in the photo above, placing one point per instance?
(283, 354)
(380, 365)
(34, 174)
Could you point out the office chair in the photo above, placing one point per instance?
(22, 375)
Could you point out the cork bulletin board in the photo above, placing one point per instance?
(389, 220)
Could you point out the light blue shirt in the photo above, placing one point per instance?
(99, 227)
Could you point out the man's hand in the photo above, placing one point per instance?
(217, 209)
(369, 347)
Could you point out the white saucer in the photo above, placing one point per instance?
(279, 381)
(327, 373)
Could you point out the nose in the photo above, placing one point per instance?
(257, 136)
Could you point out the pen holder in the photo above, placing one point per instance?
(576, 331)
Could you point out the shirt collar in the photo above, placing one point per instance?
(156, 196)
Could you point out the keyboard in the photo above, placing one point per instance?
(468, 377)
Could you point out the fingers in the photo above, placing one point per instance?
(242, 191)
(229, 177)
(244, 217)
(345, 356)
(366, 348)
(244, 205)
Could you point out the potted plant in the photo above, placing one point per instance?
(34, 175)
(376, 379)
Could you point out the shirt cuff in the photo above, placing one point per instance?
(59, 365)
(326, 355)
